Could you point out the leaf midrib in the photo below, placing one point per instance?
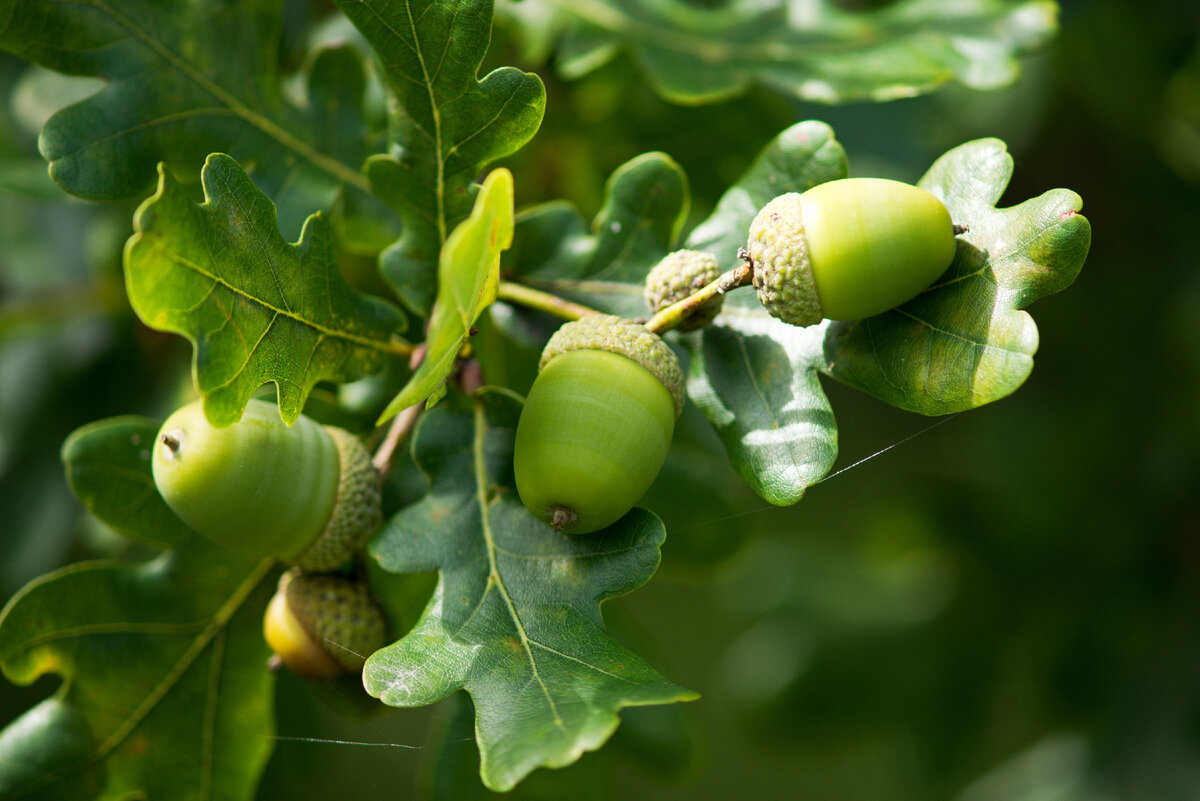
(494, 577)
(367, 342)
(434, 108)
(219, 621)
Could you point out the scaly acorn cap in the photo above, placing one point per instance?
(625, 338)
(357, 513)
(779, 253)
(679, 275)
(323, 625)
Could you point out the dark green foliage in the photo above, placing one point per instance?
(999, 610)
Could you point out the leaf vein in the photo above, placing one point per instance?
(322, 161)
(481, 480)
(157, 629)
(579, 661)
(374, 344)
(222, 616)
(210, 718)
(554, 557)
(148, 125)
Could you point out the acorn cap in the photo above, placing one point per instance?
(625, 338)
(779, 254)
(679, 275)
(357, 512)
(338, 614)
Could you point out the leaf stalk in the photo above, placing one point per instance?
(542, 301)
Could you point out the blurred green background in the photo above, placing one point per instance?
(1003, 607)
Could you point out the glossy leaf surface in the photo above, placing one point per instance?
(454, 124)
(515, 618)
(957, 346)
(256, 308)
(964, 342)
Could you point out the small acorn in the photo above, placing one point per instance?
(597, 424)
(321, 626)
(306, 494)
(848, 249)
(679, 275)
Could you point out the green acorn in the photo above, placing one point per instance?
(597, 424)
(321, 626)
(848, 249)
(306, 494)
(679, 275)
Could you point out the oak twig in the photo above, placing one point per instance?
(675, 314)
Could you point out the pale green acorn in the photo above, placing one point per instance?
(306, 494)
(848, 249)
(321, 626)
(679, 275)
(597, 423)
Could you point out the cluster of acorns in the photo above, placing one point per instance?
(307, 495)
(594, 432)
(599, 418)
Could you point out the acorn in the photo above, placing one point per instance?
(306, 494)
(679, 275)
(597, 423)
(321, 626)
(848, 249)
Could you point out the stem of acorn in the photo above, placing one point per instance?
(561, 517)
(543, 301)
(672, 316)
(402, 425)
(665, 320)
(173, 442)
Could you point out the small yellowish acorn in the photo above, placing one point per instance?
(597, 424)
(848, 249)
(321, 626)
(679, 275)
(306, 494)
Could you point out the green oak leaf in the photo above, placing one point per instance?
(964, 342)
(468, 273)
(604, 265)
(815, 51)
(454, 124)
(108, 469)
(184, 80)
(515, 618)
(256, 308)
(162, 662)
(959, 345)
(755, 379)
(751, 375)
